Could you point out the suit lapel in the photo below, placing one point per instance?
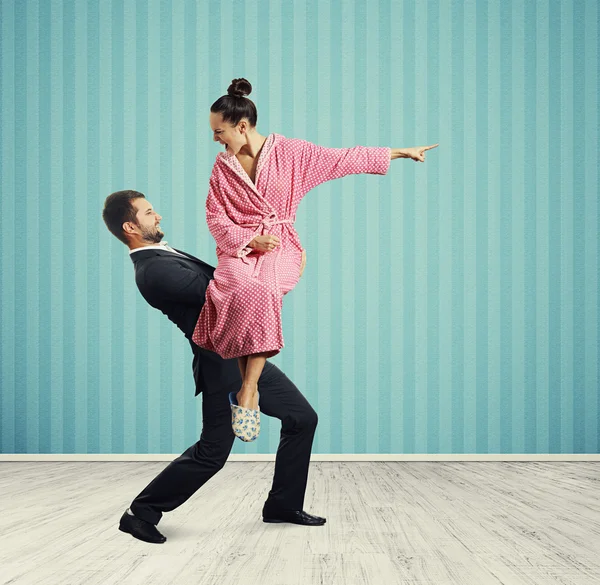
(190, 257)
(155, 252)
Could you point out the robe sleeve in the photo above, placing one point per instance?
(320, 164)
(231, 238)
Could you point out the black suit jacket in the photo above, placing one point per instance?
(176, 285)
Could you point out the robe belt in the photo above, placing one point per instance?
(267, 222)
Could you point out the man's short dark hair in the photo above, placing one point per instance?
(118, 209)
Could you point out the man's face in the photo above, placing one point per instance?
(148, 221)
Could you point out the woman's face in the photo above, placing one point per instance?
(232, 137)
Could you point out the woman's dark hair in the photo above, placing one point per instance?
(118, 209)
(235, 105)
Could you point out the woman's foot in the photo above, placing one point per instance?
(248, 396)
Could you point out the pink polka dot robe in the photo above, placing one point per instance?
(242, 312)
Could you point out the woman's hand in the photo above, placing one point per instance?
(417, 153)
(265, 243)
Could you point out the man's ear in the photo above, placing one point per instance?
(128, 227)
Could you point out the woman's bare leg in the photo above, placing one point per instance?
(242, 361)
(248, 395)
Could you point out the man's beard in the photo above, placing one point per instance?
(153, 236)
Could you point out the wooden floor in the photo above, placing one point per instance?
(387, 523)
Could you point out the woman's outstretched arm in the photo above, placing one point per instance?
(319, 164)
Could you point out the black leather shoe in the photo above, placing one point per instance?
(294, 517)
(140, 529)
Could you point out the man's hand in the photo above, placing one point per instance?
(265, 243)
(303, 264)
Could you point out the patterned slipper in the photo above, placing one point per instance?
(244, 421)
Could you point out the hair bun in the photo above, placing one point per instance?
(239, 88)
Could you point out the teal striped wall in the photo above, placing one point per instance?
(448, 307)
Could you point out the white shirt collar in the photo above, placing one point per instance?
(161, 246)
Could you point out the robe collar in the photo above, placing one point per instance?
(234, 164)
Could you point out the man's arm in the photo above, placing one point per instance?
(174, 282)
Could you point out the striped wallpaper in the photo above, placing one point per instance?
(448, 307)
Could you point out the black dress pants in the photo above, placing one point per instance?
(279, 398)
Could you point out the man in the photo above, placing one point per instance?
(175, 283)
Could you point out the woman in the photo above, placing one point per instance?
(255, 188)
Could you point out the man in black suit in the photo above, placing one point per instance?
(175, 283)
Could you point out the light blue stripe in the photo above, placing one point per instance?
(597, 271)
(597, 230)
(45, 227)
(568, 395)
(367, 195)
(420, 97)
(443, 158)
(462, 177)
(386, 228)
(7, 268)
(408, 241)
(332, 205)
(20, 225)
(555, 238)
(345, 394)
(397, 117)
(481, 231)
(361, 234)
(592, 228)
(432, 185)
(83, 207)
(530, 235)
(92, 228)
(372, 283)
(498, 385)
(514, 241)
(595, 142)
(229, 65)
(542, 99)
(57, 189)
(33, 241)
(508, 164)
(579, 352)
(68, 219)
